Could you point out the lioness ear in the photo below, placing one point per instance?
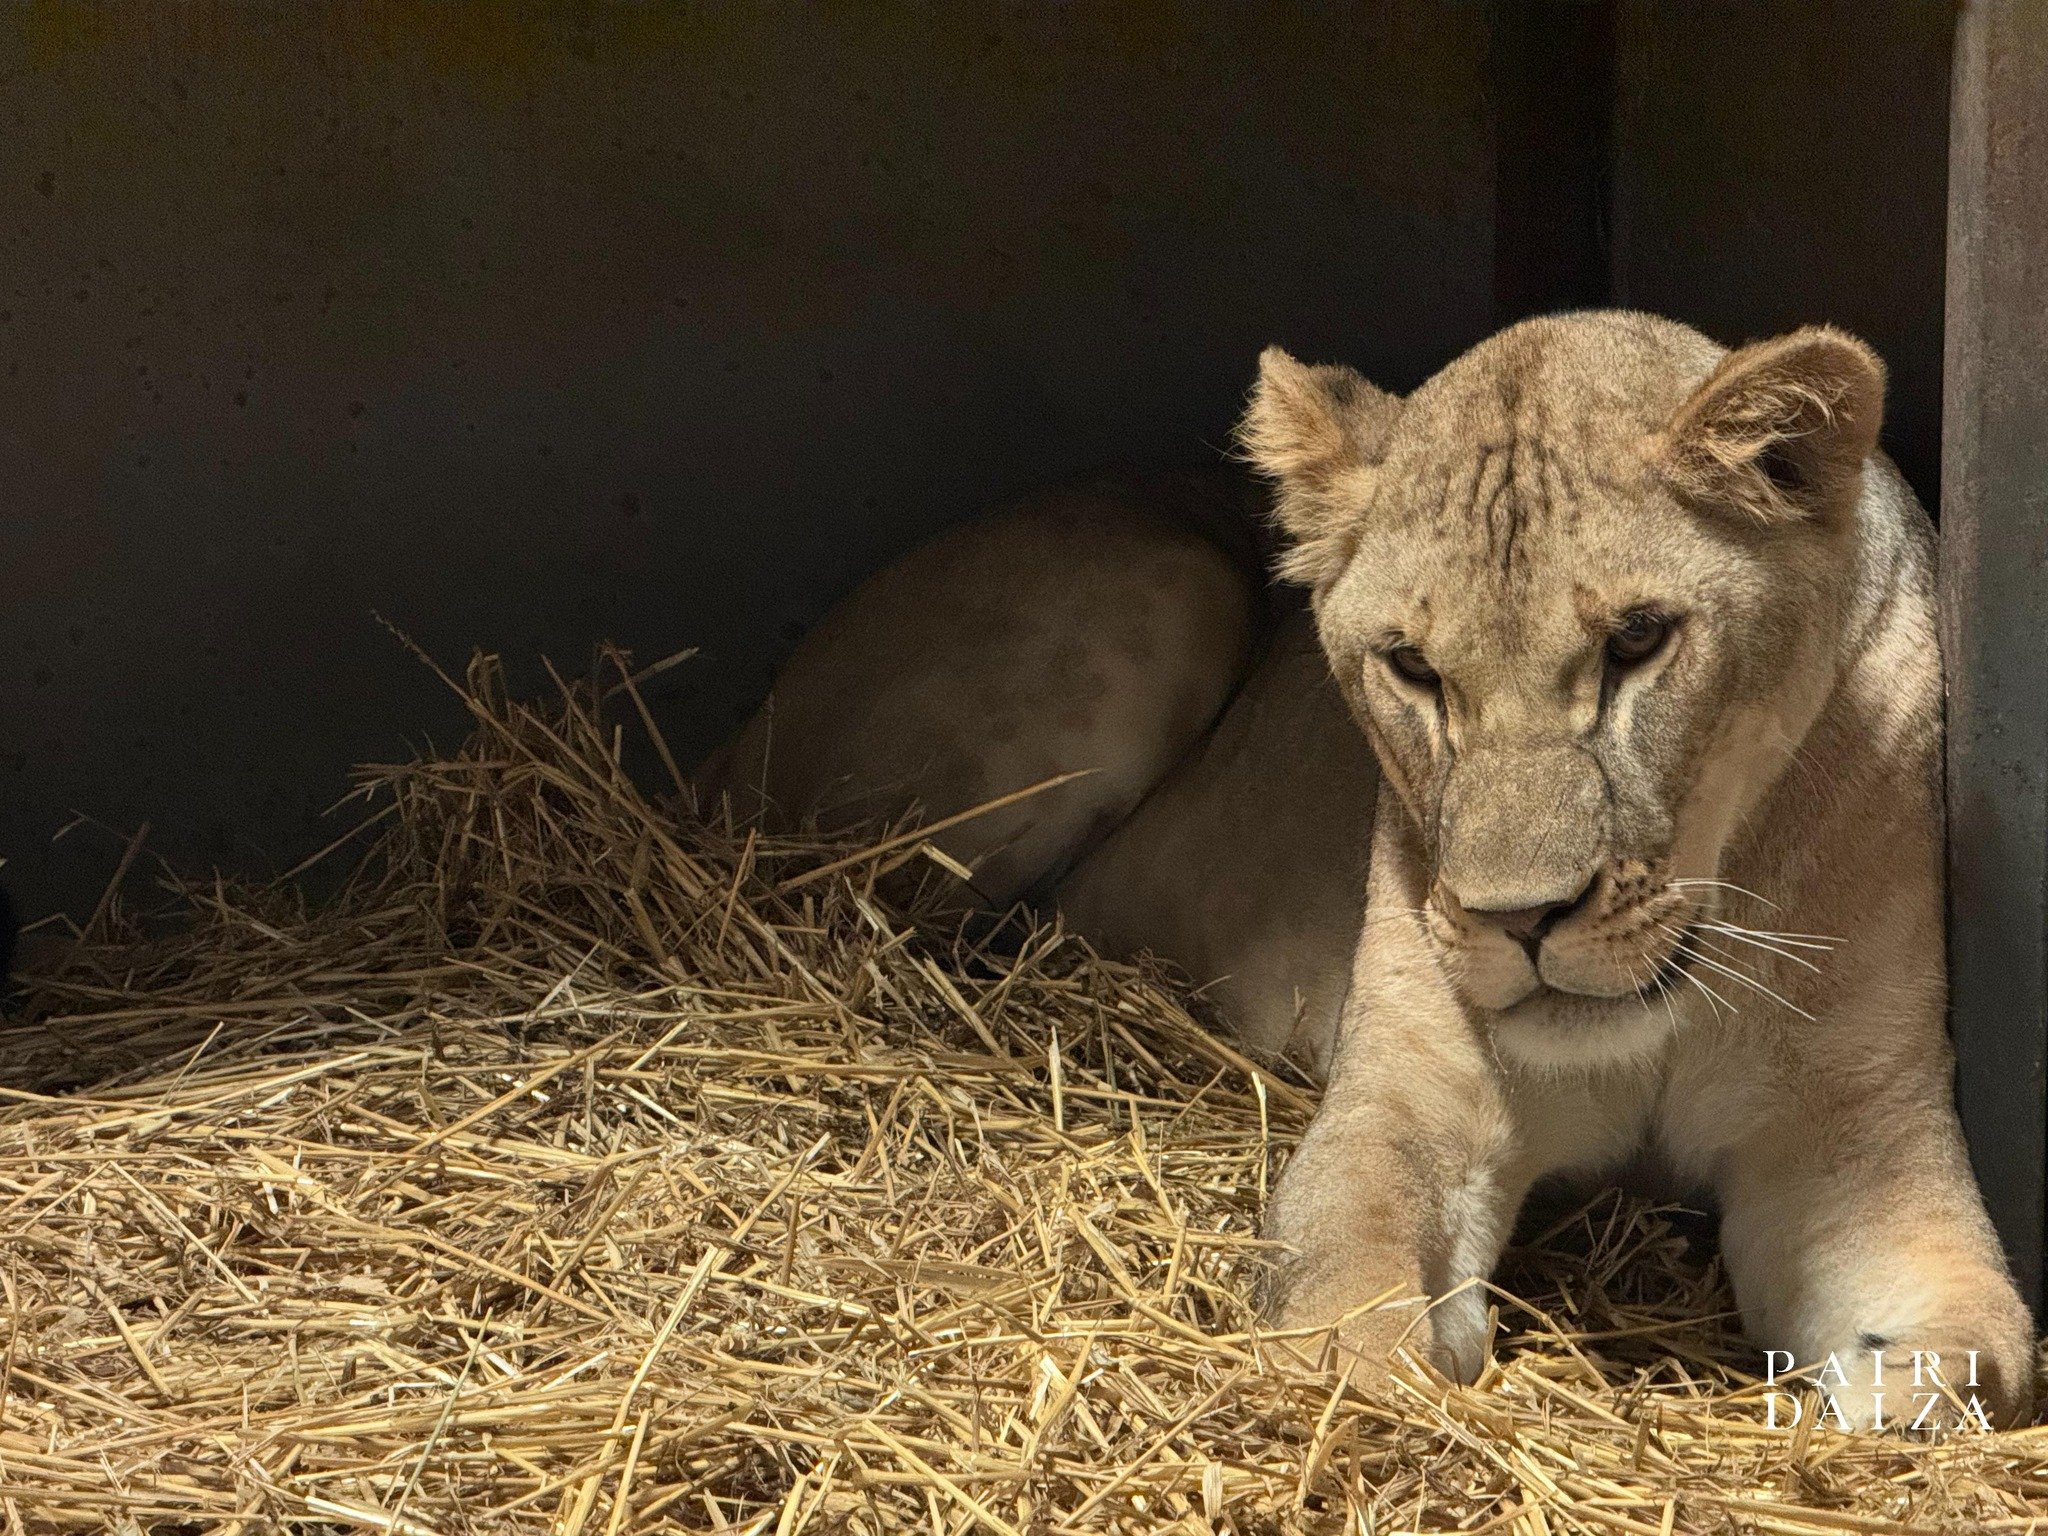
(1782, 427)
(1316, 431)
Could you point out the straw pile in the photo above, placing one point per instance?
(587, 1167)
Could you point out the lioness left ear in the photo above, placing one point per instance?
(1781, 428)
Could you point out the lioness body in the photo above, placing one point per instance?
(1641, 634)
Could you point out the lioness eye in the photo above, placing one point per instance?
(1637, 637)
(1408, 661)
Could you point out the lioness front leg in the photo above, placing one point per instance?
(1403, 1192)
(1870, 1237)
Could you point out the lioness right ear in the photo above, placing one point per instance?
(1781, 428)
(1316, 431)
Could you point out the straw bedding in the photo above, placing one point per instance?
(589, 1167)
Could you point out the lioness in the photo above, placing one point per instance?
(1641, 634)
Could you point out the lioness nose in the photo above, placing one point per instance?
(1529, 924)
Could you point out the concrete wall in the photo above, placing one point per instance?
(668, 325)
(635, 322)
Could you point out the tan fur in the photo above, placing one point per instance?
(1087, 629)
(1246, 867)
(1553, 978)
(1784, 742)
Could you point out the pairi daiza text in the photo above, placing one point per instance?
(1915, 1400)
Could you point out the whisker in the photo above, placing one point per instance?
(1726, 885)
(1732, 974)
(1714, 999)
(1802, 940)
(1643, 994)
(1733, 957)
(1748, 981)
(1759, 941)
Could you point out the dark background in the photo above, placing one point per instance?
(524, 327)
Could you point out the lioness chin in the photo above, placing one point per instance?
(1640, 632)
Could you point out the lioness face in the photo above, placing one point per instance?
(1584, 592)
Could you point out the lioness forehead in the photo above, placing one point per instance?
(1586, 368)
(1520, 472)
(1572, 383)
(1538, 431)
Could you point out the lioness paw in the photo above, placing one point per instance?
(1366, 1334)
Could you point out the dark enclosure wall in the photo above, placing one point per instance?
(639, 322)
(1777, 164)
(525, 327)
